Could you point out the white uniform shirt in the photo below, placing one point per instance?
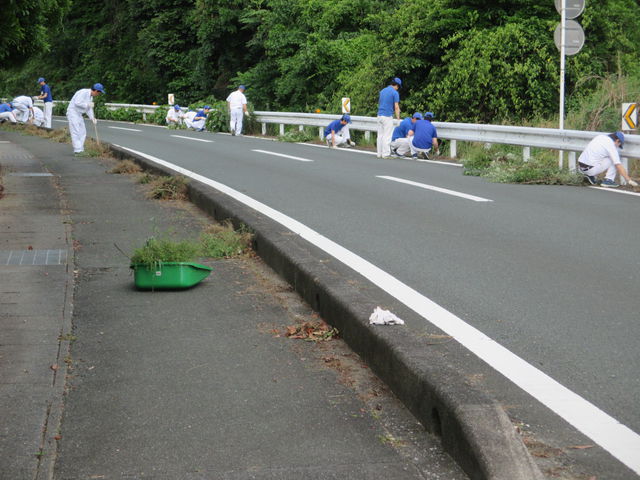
(236, 99)
(602, 147)
(23, 100)
(173, 114)
(38, 116)
(81, 102)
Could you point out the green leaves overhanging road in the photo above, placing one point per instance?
(469, 61)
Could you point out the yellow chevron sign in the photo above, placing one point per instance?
(629, 116)
(346, 105)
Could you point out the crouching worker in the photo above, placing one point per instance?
(602, 155)
(200, 118)
(38, 117)
(23, 108)
(6, 113)
(424, 138)
(401, 138)
(81, 104)
(174, 116)
(337, 133)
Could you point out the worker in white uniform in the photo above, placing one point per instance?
(174, 116)
(188, 118)
(600, 155)
(81, 104)
(24, 107)
(38, 117)
(237, 105)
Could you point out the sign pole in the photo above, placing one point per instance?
(563, 42)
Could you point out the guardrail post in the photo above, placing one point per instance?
(264, 128)
(301, 127)
(282, 129)
(526, 153)
(144, 116)
(572, 161)
(367, 135)
(321, 133)
(453, 149)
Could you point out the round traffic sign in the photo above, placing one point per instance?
(574, 37)
(573, 8)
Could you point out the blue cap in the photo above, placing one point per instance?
(207, 107)
(177, 107)
(428, 115)
(417, 115)
(620, 136)
(99, 87)
(242, 87)
(398, 81)
(346, 118)
(40, 80)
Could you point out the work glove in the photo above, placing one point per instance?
(633, 183)
(95, 121)
(246, 114)
(438, 152)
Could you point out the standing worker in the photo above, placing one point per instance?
(602, 154)
(47, 98)
(24, 108)
(388, 104)
(237, 105)
(81, 103)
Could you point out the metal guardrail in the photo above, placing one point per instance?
(571, 141)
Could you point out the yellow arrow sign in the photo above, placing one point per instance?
(630, 116)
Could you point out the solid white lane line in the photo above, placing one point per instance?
(436, 189)
(123, 128)
(615, 190)
(283, 155)
(5, 141)
(618, 439)
(194, 139)
(59, 120)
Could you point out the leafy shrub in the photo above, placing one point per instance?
(297, 136)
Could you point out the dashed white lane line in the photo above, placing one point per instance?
(124, 128)
(435, 189)
(194, 139)
(618, 439)
(299, 159)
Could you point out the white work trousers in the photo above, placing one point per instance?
(198, 124)
(8, 116)
(21, 112)
(78, 131)
(385, 132)
(415, 150)
(48, 113)
(401, 145)
(235, 125)
(601, 166)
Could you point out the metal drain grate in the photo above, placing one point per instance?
(33, 257)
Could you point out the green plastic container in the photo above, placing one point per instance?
(169, 275)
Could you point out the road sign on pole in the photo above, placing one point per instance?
(629, 116)
(346, 105)
(171, 99)
(574, 37)
(573, 8)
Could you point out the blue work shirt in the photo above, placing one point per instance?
(336, 126)
(389, 96)
(46, 89)
(402, 130)
(4, 107)
(423, 134)
(200, 114)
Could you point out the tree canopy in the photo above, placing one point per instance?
(472, 60)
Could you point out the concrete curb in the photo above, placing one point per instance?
(473, 427)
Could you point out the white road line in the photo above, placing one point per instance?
(283, 155)
(618, 439)
(123, 128)
(436, 189)
(5, 141)
(59, 120)
(614, 190)
(366, 152)
(194, 139)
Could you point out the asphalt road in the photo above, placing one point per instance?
(549, 272)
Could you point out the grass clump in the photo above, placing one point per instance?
(296, 136)
(126, 167)
(499, 163)
(160, 250)
(169, 188)
(222, 241)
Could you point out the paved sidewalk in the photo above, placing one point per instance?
(191, 384)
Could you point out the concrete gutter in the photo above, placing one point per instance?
(473, 427)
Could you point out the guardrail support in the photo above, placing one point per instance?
(301, 128)
(453, 148)
(367, 135)
(282, 129)
(526, 153)
(572, 161)
(264, 128)
(321, 133)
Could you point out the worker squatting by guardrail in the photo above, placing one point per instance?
(570, 141)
